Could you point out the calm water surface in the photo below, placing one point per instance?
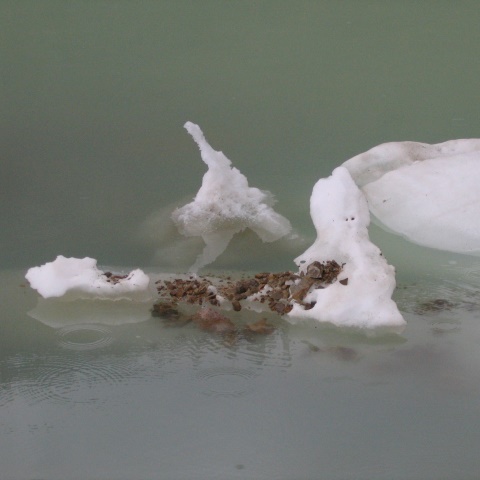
(93, 97)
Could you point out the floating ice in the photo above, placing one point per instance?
(225, 205)
(57, 314)
(175, 252)
(429, 194)
(75, 278)
(362, 295)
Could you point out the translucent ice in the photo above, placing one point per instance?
(363, 296)
(225, 205)
(427, 193)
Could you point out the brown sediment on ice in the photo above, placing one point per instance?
(276, 290)
(113, 277)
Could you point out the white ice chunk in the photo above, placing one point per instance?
(429, 194)
(79, 278)
(340, 214)
(226, 205)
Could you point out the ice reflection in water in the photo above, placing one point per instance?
(157, 389)
(89, 371)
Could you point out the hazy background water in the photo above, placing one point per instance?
(93, 97)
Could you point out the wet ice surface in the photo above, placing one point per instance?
(139, 398)
(427, 193)
(225, 205)
(79, 278)
(340, 214)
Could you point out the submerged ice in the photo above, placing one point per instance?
(225, 205)
(429, 194)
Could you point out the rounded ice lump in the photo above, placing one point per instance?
(429, 194)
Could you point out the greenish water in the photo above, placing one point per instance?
(93, 97)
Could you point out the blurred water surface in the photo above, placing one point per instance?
(93, 98)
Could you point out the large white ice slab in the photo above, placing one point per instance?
(79, 278)
(430, 194)
(225, 205)
(340, 214)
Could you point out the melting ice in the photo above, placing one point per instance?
(226, 205)
(79, 278)
(427, 193)
(340, 214)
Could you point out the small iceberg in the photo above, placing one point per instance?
(343, 278)
(361, 297)
(79, 278)
(429, 194)
(225, 205)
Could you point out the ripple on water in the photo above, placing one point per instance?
(72, 380)
(424, 299)
(225, 381)
(7, 394)
(84, 337)
(469, 274)
(271, 352)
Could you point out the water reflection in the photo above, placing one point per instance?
(86, 363)
(57, 313)
(158, 387)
